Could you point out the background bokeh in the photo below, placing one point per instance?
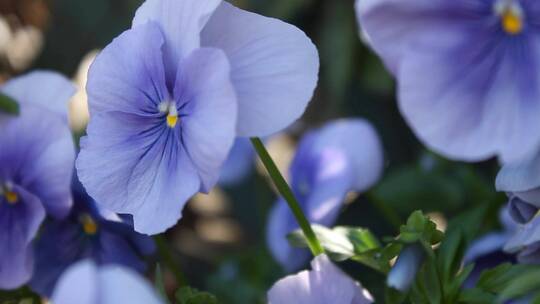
(219, 245)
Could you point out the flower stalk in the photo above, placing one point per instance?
(288, 195)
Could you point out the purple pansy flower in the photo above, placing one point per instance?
(36, 167)
(324, 284)
(88, 283)
(343, 156)
(168, 97)
(521, 181)
(87, 233)
(467, 71)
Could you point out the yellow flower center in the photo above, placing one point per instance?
(512, 22)
(11, 197)
(89, 226)
(169, 108)
(512, 16)
(172, 120)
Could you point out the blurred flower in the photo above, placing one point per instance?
(87, 233)
(466, 70)
(521, 181)
(488, 251)
(343, 156)
(168, 97)
(403, 273)
(36, 165)
(324, 284)
(88, 283)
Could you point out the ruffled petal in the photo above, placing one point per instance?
(38, 154)
(46, 89)
(274, 67)
(204, 89)
(181, 23)
(19, 224)
(128, 75)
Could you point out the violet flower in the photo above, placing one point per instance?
(86, 234)
(36, 166)
(88, 283)
(168, 97)
(343, 156)
(467, 71)
(324, 284)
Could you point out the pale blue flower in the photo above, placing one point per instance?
(343, 156)
(467, 71)
(36, 166)
(168, 97)
(324, 284)
(87, 283)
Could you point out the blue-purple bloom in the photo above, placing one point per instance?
(404, 271)
(467, 71)
(341, 157)
(36, 167)
(521, 181)
(324, 284)
(88, 283)
(86, 234)
(168, 97)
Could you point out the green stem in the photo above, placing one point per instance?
(286, 192)
(168, 259)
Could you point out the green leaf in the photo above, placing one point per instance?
(188, 295)
(419, 228)
(8, 105)
(159, 284)
(450, 254)
(495, 280)
(476, 296)
(521, 285)
(340, 243)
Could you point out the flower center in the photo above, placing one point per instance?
(89, 225)
(511, 14)
(169, 108)
(6, 190)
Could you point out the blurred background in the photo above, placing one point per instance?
(219, 245)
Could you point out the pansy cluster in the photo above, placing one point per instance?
(173, 102)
